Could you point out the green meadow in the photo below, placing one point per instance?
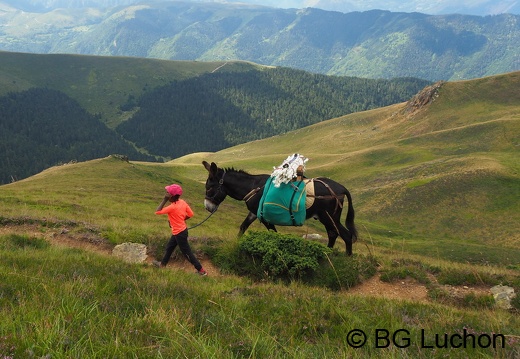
(435, 188)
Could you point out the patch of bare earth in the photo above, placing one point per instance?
(406, 289)
(411, 290)
(182, 264)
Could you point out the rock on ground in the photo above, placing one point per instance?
(130, 252)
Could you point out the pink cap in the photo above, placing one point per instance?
(174, 189)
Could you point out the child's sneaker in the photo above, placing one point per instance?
(157, 264)
(202, 272)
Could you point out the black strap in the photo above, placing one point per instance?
(262, 200)
(296, 188)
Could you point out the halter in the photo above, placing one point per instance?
(219, 188)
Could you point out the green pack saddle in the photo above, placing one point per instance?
(284, 205)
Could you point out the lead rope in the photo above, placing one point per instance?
(198, 224)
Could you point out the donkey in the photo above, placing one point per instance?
(242, 186)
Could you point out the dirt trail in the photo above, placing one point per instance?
(408, 289)
(93, 243)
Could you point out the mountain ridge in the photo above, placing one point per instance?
(374, 44)
(482, 8)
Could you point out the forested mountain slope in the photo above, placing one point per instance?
(40, 128)
(218, 110)
(166, 108)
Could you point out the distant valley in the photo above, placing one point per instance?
(370, 44)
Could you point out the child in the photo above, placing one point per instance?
(178, 212)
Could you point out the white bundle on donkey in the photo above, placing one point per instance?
(289, 170)
(283, 200)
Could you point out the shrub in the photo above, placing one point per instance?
(283, 256)
(270, 255)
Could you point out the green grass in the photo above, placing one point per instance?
(70, 303)
(434, 192)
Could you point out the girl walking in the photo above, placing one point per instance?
(178, 212)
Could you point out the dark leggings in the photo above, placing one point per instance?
(182, 240)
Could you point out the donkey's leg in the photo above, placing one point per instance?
(331, 233)
(347, 238)
(344, 233)
(247, 222)
(251, 217)
(334, 227)
(269, 226)
(329, 227)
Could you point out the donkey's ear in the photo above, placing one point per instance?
(212, 169)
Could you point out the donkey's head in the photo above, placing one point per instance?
(215, 189)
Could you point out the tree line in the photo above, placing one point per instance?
(41, 128)
(214, 111)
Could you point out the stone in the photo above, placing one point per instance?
(130, 252)
(312, 236)
(503, 295)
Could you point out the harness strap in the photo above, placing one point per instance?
(332, 195)
(334, 223)
(252, 193)
(219, 189)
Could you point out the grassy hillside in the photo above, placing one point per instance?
(435, 185)
(432, 173)
(100, 84)
(447, 170)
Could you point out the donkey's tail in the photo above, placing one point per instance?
(349, 221)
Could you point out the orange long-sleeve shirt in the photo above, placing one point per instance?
(178, 212)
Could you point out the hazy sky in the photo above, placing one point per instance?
(434, 7)
(473, 7)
